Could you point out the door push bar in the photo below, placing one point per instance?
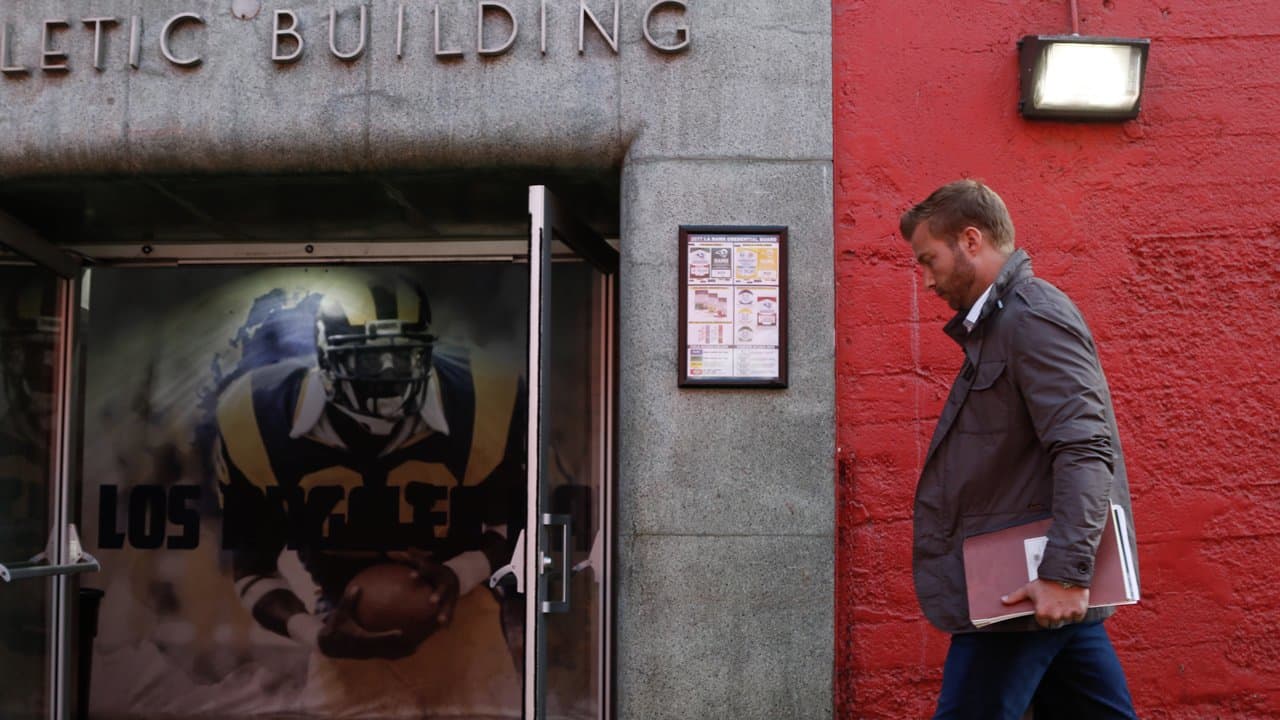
(38, 566)
(566, 554)
(545, 563)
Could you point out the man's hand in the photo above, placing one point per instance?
(342, 637)
(1055, 605)
(437, 575)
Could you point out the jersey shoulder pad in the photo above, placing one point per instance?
(255, 412)
(496, 387)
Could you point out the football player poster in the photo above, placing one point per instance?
(299, 482)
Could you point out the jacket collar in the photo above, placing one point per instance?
(1016, 269)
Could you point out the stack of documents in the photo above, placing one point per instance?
(998, 563)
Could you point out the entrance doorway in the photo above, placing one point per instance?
(324, 479)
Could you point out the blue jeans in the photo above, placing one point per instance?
(1072, 672)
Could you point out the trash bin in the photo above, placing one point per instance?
(90, 601)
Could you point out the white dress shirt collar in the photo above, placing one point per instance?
(974, 312)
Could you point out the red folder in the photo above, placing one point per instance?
(997, 563)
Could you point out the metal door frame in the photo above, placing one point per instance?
(59, 564)
(546, 212)
(302, 252)
(73, 264)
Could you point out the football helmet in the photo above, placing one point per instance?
(374, 345)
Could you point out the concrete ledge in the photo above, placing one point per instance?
(754, 83)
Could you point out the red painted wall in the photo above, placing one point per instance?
(1164, 230)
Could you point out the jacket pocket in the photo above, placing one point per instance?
(987, 375)
(986, 407)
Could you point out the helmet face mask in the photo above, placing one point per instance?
(376, 364)
(383, 378)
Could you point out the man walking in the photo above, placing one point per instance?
(1028, 432)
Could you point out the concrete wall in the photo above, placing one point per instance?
(725, 593)
(726, 497)
(1164, 231)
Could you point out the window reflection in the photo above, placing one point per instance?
(28, 350)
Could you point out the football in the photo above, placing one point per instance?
(392, 598)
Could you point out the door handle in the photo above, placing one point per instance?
(39, 566)
(545, 563)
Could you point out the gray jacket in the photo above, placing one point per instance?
(1028, 432)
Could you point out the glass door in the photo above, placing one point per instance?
(299, 479)
(39, 547)
(572, 274)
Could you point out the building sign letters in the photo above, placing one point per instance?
(344, 33)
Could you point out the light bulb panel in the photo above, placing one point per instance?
(1070, 77)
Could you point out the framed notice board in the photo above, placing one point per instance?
(733, 306)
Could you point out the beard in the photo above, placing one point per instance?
(958, 284)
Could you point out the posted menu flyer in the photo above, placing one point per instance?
(734, 306)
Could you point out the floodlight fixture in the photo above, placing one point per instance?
(1074, 77)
